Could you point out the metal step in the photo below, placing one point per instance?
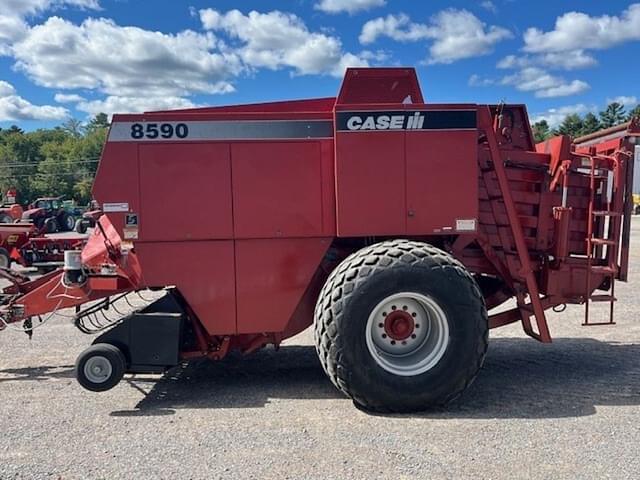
(603, 298)
(603, 241)
(606, 213)
(604, 270)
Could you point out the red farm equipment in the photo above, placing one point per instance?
(392, 224)
(23, 244)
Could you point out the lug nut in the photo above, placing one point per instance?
(381, 325)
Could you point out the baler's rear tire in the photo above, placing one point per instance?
(100, 367)
(401, 326)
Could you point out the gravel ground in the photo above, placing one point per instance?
(566, 410)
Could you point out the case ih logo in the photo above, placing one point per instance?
(406, 120)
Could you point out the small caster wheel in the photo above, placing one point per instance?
(100, 367)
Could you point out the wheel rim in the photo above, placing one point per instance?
(407, 333)
(98, 369)
(4, 261)
(70, 223)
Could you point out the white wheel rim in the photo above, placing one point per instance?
(98, 369)
(407, 334)
(4, 261)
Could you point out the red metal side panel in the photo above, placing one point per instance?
(272, 276)
(204, 274)
(328, 188)
(117, 180)
(442, 185)
(185, 192)
(370, 183)
(277, 189)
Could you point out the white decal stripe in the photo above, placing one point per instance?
(175, 131)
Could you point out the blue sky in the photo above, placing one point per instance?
(74, 58)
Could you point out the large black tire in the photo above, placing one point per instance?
(353, 293)
(66, 222)
(81, 226)
(5, 258)
(109, 363)
(50, 225)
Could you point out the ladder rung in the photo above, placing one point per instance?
(606, 213)
(603, 298)
(603, 241)
(604, 270)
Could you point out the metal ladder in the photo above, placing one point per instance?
(602, 235)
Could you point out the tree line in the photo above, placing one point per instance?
(575, 125)
(60, 161)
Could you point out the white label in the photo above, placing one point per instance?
(130, 233)
(115, 207)
(466, 225)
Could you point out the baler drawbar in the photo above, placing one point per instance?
(391, 224)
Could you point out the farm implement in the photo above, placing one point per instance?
(390, 224)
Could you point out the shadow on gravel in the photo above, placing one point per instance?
(36, 373)
(520, 379)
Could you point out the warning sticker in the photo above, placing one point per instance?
(131, 220)
(130, 233)
(466, 225)
(115, 207)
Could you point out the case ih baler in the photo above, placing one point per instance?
(392, 224)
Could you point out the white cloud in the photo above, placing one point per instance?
(349, 6)
(576, 30)
(571, 60)
(543, 84)
(564, 89)
(116, 104)
(455, 34)
(627, 101)
(68, 98)
(13, 13)
(123, 61)
(277, 40)
(478, 81)
(555, 116)
(14, 107)
(489, 5)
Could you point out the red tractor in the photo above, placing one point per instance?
(49, 215)
(390, 224)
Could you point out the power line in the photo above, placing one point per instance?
(15, 165)
(70, 174)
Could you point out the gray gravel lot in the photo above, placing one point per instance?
(566, 410)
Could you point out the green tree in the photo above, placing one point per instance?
(99, 122)
(73, 126)
(571, 126)
(634, 113)
(613, 115)
(590, 124)
(541, 131)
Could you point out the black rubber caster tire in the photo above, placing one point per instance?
(100, 367)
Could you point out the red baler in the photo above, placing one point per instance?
(393, 224)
